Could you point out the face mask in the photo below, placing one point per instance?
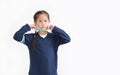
(38, 29)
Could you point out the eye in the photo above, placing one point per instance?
(40, 21)
(45, 21)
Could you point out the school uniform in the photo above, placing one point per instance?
(43, 58)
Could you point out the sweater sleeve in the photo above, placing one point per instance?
(61, 36)
(20, 35)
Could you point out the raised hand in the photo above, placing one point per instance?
(51, 27)
(32, 26)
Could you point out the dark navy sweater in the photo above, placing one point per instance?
(43, 58)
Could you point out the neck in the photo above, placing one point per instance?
(42, 33)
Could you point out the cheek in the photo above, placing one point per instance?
(47, 23)
(37, 23)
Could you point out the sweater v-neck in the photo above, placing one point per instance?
(43, 37)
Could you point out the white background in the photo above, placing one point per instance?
(93, 26)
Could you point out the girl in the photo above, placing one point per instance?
(42, 45)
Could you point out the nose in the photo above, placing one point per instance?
(43, 23)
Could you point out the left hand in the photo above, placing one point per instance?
(51, 27)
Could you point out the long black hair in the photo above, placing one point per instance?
(35, 17)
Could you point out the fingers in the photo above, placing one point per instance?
(51, 27)
(32, 26)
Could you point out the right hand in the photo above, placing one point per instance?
(32, 26)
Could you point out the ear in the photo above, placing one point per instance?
(49, 20)
(35, 23)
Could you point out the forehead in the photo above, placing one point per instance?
(43, 16)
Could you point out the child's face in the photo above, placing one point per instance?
(42, 21)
